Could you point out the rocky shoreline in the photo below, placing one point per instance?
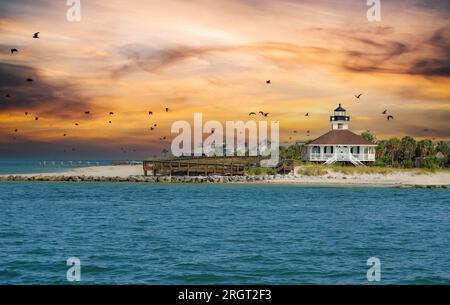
(276, 179)
(143, 179)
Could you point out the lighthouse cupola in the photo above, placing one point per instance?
(339, 121)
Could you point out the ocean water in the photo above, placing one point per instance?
(222, 234)
(31, 167)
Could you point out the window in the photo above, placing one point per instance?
(340, 125)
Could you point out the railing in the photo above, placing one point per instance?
(209, 166)
(365, 157)
(341, 157)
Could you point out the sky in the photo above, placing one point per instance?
(214, 57)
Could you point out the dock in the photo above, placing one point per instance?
(205, 166)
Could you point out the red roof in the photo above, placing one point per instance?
(344, 137)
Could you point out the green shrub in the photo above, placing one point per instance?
(313, 170)
(260, 171)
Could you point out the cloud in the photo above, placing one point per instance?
(140, 57)
(428, 57)
(144, 58)
(438, 63)
(47, 97)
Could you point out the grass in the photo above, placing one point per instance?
(373, 170)
(311, 169)
(260, 171)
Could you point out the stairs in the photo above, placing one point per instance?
(352, 159)
(285, 167)
(355, 161)
(331, 160)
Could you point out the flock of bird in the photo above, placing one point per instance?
(86, 113)
(389, 117)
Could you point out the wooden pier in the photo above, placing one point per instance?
(205, 166)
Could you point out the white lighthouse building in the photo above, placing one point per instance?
(340, 144)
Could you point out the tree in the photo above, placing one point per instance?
(393, 147)
(369, 136)
(292, 152)
(407, 151)
(424, 149)
(443, 148)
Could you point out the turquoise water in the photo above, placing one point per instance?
(222, 234)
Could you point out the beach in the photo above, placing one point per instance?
(134, 173)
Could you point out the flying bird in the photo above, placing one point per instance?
(26, 113)
(390, 117)
(167, 109)
(110, 122)
(358, 96)
(16, 130)
(87, 112)
(30, 80)
(150, 113)
(36, 119)
(384, 112)
(152, 128)
(14, 51)
(76, 124)
(268, 82)
(307, 114)
(111, 113)
(36, 35)
(252, 113)
(64, 135)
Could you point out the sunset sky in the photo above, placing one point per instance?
(214, 57)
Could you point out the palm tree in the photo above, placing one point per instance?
(408, 150)
(424, 148)
(393, 146)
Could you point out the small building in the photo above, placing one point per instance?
(340, 144)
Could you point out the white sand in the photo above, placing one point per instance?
(392, 179)
(122, 171)
(405, 178)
